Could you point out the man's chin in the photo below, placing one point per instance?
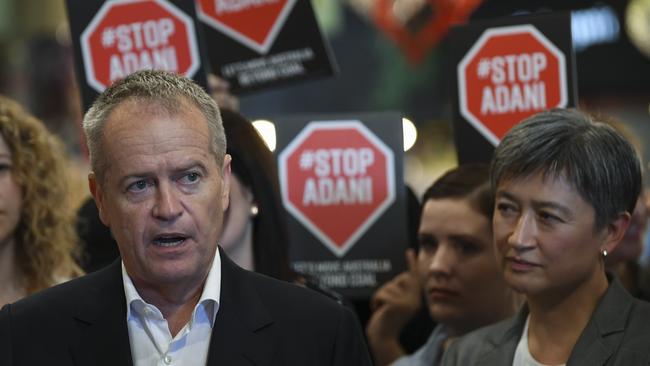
(173, 274)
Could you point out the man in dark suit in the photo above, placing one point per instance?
(160, 178)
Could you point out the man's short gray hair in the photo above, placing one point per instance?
(595, 159)
(166, 89)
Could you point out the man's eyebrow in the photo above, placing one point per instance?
(133, 176)
(194, 164)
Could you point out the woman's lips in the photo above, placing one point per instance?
(520, 265)
(441, 293)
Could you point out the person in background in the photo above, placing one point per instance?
(38, 244)
(624, 260)
(565, 189)
(455, 268)
(254, 229)
(254, 234)
(220, 91)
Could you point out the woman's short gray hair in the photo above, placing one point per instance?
(600, 163)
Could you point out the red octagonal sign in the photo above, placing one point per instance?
(254, 23)
(130, 35)
(337, 179)
(510, 73)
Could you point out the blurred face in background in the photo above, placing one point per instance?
(462, 283)
(630, 248)
(11, 196)
(238, 223)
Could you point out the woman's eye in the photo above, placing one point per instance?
(467, 247)
(505, 208)
(428, 244)
(550, 218)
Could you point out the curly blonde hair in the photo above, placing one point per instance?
(46, 241)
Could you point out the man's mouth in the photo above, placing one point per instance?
(169, 240)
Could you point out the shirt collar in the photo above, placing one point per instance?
(209, 297)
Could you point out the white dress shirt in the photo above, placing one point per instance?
(151, 341)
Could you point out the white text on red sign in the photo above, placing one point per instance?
(516, 83)
(141, 45)
(340, 176)
(235, 6)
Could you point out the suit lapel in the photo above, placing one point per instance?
(243, 331)
(604, 332)
(103, 337)
(242, 334)
(499, 347)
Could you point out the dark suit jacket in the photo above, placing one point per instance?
(618, 333)
(261, 321)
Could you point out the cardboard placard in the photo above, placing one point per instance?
(341, 179)
(114, 38)
(257, 45)
(507, 70)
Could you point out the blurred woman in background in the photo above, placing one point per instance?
(455, 267)
(254, 233)
(254, 229)
(624, 260)
(38, 243)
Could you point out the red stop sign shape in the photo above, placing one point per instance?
(254, 23)
(510, 73)
(337, 179)
(126, 36)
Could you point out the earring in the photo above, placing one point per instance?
(254, 210)
(604, 253)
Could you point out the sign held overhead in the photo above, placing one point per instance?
(126, 36)
(506, 70)
(115, 38)
(510, 73)
(341, 184)
(337, 179)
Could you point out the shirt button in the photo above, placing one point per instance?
(167, 359)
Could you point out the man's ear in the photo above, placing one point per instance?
(225, 189)
(615, 231)
(98, 196)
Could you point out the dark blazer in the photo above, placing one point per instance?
(261, 321)
(618, 333)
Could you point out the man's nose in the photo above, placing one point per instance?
(167, 205)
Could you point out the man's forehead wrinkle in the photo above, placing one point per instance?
(182, 117)
(156, 147)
